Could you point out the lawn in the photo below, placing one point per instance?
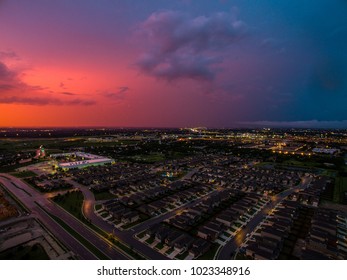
(141, 234)
(210, 253)
(98, 207)
(103, 195)
(182, 256)
(340, 189)
(168, 252)
(105, 214)
(159, 246)
(264, 163)
(12, 168)
(301, 163)
(72, 202)
(24, 174)
(150, 240)
(327, 172)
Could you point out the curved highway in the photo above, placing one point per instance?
(126, 236)
(31, 197)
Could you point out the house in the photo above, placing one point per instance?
(199, 247)
(161, 234)
(207, 234)
(130, 217)
(226, 220)
(308, 254)
(325, 226)
(150, 232)
(217, 227)
(183, 243)
(172, 237)
(273, 233)
(252, 250)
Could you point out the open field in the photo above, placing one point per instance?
(24, 174)
(340, 189)
(72, 202)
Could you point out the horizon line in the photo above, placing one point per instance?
(256, 126)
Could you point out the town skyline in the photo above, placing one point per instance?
(189, 193)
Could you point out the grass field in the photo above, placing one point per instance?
(72, 202)
(24, 174)
(329, 173)
(98, 207)
(340, 189)
(210, 253)
(103, 195)
(12, 168)
(301, 163)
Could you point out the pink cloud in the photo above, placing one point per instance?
(14, 91)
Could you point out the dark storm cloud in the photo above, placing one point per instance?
(329, 75)
(299, 124)
(323, 96)
(175, 66)
(181, 46)
(304, 45)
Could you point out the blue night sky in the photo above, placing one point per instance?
(173, 63)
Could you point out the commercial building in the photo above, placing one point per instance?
(86, 160)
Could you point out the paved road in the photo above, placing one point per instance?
(153, 221)
(124, 236)
(227, 250)
(127, 236)
(29, 197)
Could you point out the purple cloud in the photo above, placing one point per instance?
(68, 93)
(43, 101)
(9, 54)
(6, 74)
(62, 85)
(180, 46)
(119, 95)
(122, 90)
(6, 87)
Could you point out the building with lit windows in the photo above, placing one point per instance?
(40, 152)
(81, 160)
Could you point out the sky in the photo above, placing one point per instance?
(183, 63)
